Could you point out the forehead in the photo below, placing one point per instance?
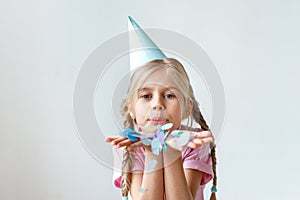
(159, 78)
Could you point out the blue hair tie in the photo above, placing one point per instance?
(124, 198)
(214, 189)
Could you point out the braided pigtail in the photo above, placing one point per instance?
(214, 166)
(127, 157)
(126, 175)
(197, 115)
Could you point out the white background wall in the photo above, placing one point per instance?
(254, 45)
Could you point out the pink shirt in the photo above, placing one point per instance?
(198, 159)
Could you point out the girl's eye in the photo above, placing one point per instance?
(145, 96)
(170, 96)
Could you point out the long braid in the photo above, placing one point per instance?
(126, 175)
(127, 159)
(214, 163)
(197, 115)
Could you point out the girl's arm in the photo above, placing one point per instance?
(146, 184)
(193, 178)
(149, 184)
(176, 184)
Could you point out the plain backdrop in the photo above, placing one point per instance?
(254, 45)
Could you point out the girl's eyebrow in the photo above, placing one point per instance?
(143, 89)
(173, 88)
(166, 88)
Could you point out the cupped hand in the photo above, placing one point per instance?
(123, 142)
(201, 138)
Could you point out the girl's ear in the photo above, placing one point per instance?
(132, 115)
(130, 111)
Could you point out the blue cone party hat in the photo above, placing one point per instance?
(142, 48)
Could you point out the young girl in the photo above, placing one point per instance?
(160, 93)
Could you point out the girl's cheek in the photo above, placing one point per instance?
(140, 121)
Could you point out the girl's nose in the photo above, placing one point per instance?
(157, 107)
(157, 103)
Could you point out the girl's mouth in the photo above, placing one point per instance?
(158, 121)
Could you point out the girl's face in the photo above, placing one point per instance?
(158, 101)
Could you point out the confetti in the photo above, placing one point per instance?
(151, 165)
(142, 190)
(166, 126)
(179, 139)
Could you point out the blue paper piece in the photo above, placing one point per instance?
(176, 133)
(146, 141)
(142, 190)
(161, 136)
(155, 146)
(157, 141)
(130, 134)
(132, 138)
(166, 126)
(165, 147)
(151, 165)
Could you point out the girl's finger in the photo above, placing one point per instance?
(203, 134)
(135, 145)
(110, 139)
(197, 142)
(118, 139)
(192, 145)
(123, 143)
(203, 140)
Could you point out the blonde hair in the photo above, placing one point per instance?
(181, 79)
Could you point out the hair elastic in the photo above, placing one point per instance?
(214, 189)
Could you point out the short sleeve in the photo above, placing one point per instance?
(199, 159)
(138, 159)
